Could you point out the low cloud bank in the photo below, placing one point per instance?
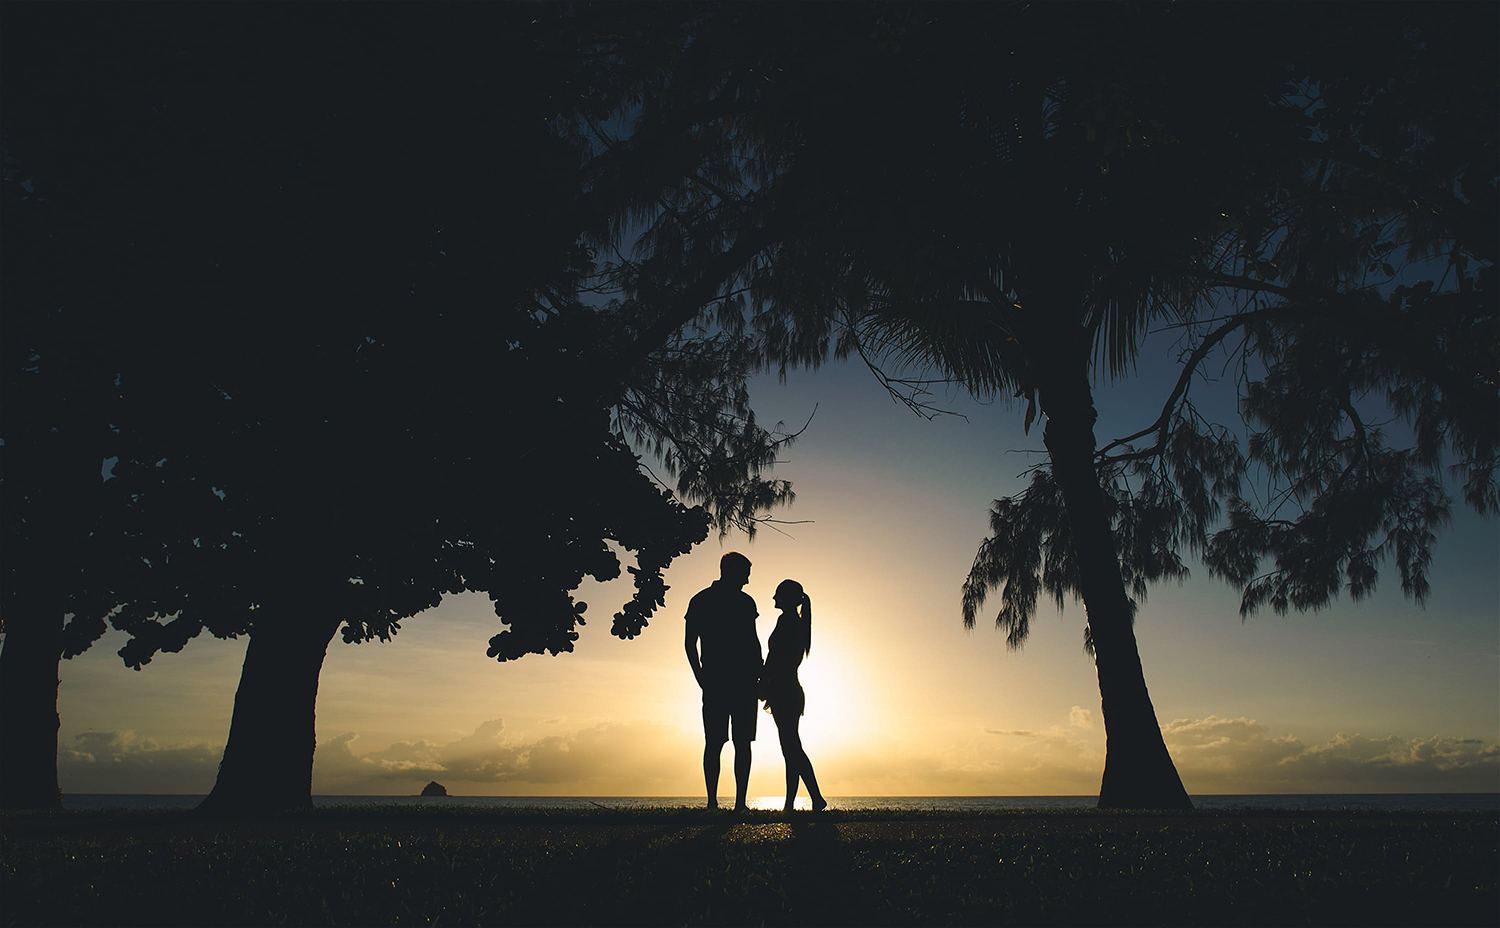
(641, 758)
(1240, 755)
(123, 762)
(1213, 754)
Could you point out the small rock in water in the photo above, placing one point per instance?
(434, 789)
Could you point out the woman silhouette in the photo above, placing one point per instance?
(790, 642)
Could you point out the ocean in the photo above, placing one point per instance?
(1389, 802)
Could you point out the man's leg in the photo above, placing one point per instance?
(741, 772)
(711, 772)
(715, 733)
(745, 712)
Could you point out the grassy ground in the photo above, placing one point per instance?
(424, 866)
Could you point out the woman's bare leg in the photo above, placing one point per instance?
(811, 779)
(791, 755)
(798, 765)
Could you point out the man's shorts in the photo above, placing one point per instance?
(720, 704)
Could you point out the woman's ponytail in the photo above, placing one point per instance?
(806, 611)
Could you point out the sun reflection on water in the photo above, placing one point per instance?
(776, 803)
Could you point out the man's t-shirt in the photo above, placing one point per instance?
(723, 618)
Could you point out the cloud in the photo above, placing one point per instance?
(609, 759)
(122, 762)
(623, 758)
(1238, 755)
(1213, 754)
(1061, 760)
(1217, 754)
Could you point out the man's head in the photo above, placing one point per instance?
(734, 568)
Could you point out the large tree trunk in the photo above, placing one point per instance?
(1138, 771)
(268, 759)
(28, 712)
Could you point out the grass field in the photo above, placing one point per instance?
(425, 866)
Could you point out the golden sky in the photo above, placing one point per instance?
(1376, 696)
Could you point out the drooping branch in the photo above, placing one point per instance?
(1305, 304)
(1190, 367)
(685, 305)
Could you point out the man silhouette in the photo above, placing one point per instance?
(722, 617)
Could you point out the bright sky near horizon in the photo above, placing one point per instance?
(1375, 696)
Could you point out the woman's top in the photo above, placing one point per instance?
(778, 681)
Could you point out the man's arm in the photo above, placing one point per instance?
(690, 644)
(760, 654)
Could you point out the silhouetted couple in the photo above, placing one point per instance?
(733, 678)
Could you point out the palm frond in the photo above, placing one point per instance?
(971, 340)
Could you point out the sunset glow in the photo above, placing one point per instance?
(840, 697)
(901, 700)
(749, 463)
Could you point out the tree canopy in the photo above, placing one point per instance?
(1015, 195)
(330, 332)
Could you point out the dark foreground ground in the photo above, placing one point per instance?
(427, 866)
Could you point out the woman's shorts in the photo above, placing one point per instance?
(786, 701)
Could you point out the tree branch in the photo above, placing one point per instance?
(1184, 380)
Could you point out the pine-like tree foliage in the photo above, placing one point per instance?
(1367, 398)
(688, 406)
(1159, 506)
(1351, 493)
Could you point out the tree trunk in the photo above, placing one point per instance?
(28, 713)
(268, 759)
(1138, 771)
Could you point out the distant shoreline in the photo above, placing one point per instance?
(1206, 802)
